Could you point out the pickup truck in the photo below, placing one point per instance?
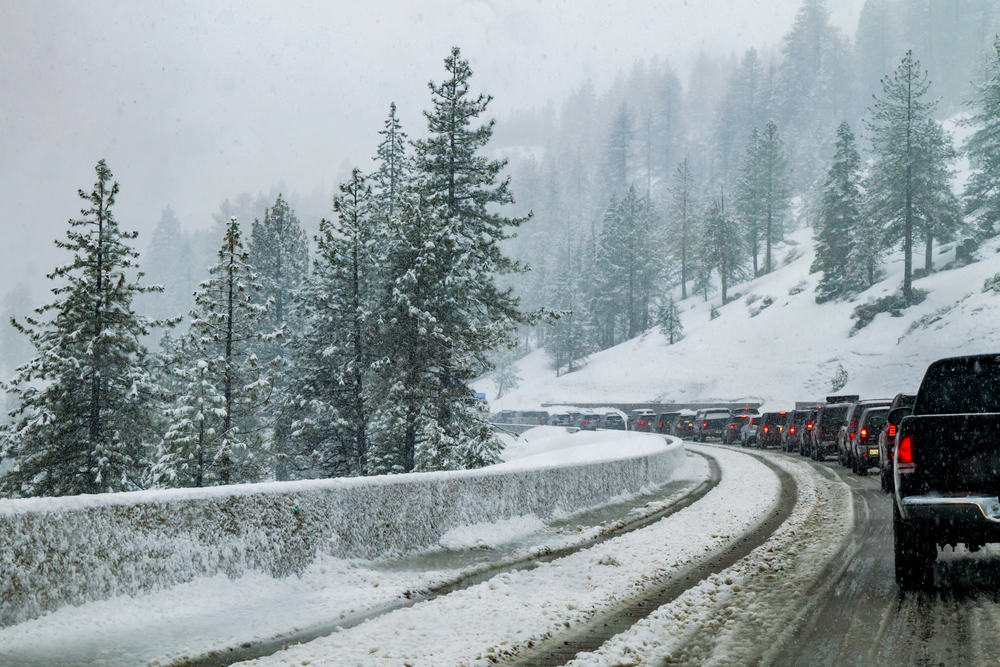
(947, 466)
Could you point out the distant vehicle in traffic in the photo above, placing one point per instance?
(864, 451)
(823, 440)
(848, 430)
(748, 434)
(641, 420)
(710, 423)
(887, 442)
(769, 431)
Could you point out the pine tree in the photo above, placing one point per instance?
(982, 191)
(670, 321)
(505, 376)
(722, 248)
(748, 202)
(279, 253)
(620, 151)
(939, 212)
(839, 216)
(328, 398)
(567, 342)
(214, 434)
(445, 311)
(764, 190)
(84, 419)
(681, 205)
(907, 156)
(169, 263)
(394, 165)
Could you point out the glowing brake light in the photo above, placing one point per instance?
(891, 432)
(704, 424)
(766, 428)
(904, 455)
(791, 429)
(864, 433)
(852, 435)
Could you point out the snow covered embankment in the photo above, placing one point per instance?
(61, 551)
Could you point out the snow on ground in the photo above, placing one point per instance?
(765, 595)
(213, 613)
(518, 608)
(789, 350)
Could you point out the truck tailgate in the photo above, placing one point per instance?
(955, 453)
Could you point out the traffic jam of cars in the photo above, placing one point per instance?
(937, 451)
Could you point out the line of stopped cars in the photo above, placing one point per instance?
(937, 453)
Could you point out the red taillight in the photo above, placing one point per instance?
(852, 435)
(704, 424)
(766, 429)
(904, 455)
(891, 432)
(791, 429)
(809, 426)
(864, 433)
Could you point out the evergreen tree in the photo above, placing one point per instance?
(567, 342)
(169, 263)
(681, 205)
(670, 321)
(764, 193)
(393, 169)
(839, 216)
(84, 419)
(982, 191)
(214, 434)
(722, 248)
(328, 398)
(869, 242)
(279, 253)
(445, 311)
(907, 156)
(505, 376)
(939, 210)
(620, 151)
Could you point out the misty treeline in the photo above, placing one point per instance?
(354, 361)
(658, 190)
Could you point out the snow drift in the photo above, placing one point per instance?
(61, 551)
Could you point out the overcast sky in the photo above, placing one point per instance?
(194, 102)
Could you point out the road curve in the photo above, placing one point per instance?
(564, 647)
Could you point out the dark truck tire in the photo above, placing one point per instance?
(913, 554)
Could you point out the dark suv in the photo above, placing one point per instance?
(731, 433)
(791, 434)
(612, 421)
(710, 422)
(769, 431)
(887, 442)
(824, 433)
(863, 452)
(849, 428)
(665, 422)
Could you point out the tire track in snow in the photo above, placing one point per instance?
(263, 648)
(562, 649)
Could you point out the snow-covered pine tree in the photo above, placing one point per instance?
(670, 321)
(906, 157)
(279, 254)
(505, 376)
(567, 342)
(839, 215)
(84, 419)
(393, 164)
(982, 191)
(722, 248)
(445, 311)
(214, 434)
(328, 402)
(682, 227)
(747, 202)
(169, 263)
(764, 192)
(940, 212)
(619, 152)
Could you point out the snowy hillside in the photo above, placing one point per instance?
(790, 350)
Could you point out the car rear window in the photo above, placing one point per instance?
(963, 387)
(833, 416)
(875, 420)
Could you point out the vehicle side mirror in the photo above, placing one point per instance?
(896, 416)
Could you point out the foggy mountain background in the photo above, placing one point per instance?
(193, 104)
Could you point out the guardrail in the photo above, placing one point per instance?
(61, 551)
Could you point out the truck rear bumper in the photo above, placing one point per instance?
(952, 510)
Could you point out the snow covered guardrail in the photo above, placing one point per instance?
(60, 551)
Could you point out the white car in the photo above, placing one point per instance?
(748, 434)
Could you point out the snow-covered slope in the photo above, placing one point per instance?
(790, 350)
